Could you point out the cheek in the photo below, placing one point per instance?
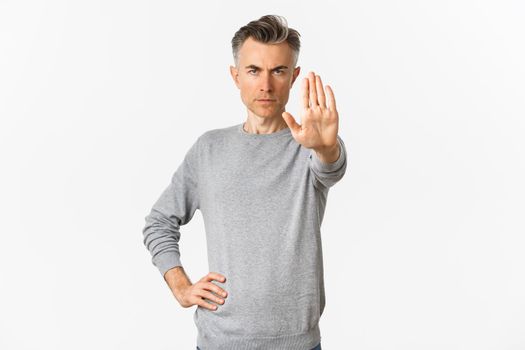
(247, 96)
(284, 93)
(247, 89)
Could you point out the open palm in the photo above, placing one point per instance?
(319, 119)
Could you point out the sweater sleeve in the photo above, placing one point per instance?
(325, 175)
(175, 207)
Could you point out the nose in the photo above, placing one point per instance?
(266, 82)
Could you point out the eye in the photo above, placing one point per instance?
(252, 70)
(278, 70)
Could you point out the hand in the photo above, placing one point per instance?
(319, 121)
(194, 293)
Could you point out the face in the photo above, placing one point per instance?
(264, 72)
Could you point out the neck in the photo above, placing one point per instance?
(258, 125)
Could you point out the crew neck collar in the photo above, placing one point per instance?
(277, 133)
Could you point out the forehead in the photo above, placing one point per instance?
(260, 54)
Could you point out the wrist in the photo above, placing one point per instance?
(328, 154)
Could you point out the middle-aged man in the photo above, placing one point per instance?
(262, 188)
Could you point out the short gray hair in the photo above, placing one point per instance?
(269, 29)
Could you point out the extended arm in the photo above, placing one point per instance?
(328, 174)
(318, 131)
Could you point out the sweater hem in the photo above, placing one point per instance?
(299, 341)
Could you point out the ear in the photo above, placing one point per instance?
(296, 72)
(235, 75)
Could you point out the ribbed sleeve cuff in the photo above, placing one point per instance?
(166, 261)
(328, 167)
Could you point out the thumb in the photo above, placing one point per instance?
(290, 120)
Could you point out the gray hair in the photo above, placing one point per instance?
(269, 29)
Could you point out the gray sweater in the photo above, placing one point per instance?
(262, 199)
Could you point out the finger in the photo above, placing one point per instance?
(205, 304)
(214, 276)
(320, 91)
(205, 294)
(306, 99)
(313, 92)
(290, 121)
(331, 98)
(213, 287)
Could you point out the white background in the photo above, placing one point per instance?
(423, 238)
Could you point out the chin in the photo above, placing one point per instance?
(263, 113)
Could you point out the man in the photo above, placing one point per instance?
(262, 188)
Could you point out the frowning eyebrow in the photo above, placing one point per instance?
(253, 66)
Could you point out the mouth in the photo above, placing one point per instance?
(265, 100)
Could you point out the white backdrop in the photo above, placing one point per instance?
(423, 238)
